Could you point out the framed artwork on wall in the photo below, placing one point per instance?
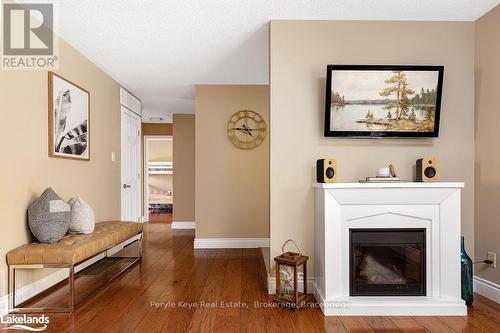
(69, 119)
(383, 100)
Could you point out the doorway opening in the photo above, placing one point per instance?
(158, 178)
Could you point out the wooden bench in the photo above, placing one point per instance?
(108, 240)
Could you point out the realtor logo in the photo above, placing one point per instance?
(28, 36)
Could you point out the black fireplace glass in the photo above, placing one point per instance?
(387, 262)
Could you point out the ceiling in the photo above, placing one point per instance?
(160, 49)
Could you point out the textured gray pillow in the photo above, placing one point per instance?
(82, 217)
(49, 217)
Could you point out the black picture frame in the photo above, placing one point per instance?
(382, 134)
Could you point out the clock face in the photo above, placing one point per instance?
(246, 129)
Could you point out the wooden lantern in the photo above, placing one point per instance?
(287, 272)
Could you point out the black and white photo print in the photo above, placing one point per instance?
(69, 119)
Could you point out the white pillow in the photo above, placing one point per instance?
(82, 217)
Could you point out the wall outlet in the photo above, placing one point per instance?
(493, 257)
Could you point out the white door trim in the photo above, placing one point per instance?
(125, 110)
(147, 139)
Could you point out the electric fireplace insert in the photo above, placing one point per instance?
(387, 262)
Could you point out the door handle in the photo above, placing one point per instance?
(126, 186)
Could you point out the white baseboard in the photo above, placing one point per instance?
(182, 225)
(487, 289)
(271, 284)
(4, 305)
(230, 243)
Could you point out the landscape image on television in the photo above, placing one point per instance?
(384, 100)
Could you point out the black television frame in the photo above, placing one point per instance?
(382, 134)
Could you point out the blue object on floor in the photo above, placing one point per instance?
(466, 264)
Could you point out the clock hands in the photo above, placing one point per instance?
(245, 129)
(248, 130)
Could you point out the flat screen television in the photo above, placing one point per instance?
(383, 100)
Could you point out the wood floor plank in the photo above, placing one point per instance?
(381, 324)
(487, 309)
(231, 291)
(252, 317)
(204, 317)
(478, 320)
(137, 310)
(158, 315)
(433, 324)
(460, 324)
(487, 302)
(179, 318)
(356, 324)
(227, 324)
(408, 325)
(332, 324)
(277, 320)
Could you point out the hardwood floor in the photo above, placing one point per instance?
(160, 218)
(178, 289)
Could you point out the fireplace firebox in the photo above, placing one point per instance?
(387, 262)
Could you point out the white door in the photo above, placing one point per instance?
(131, 165)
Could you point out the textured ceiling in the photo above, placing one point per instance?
(161, 48)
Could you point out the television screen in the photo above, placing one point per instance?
(383, 101)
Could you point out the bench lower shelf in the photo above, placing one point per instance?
(72, 291)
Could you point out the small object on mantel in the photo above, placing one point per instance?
(382, 180)
(384, 175)
(392, 171)
(287, 278)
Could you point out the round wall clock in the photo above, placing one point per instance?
(246, 129)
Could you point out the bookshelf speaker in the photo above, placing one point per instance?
(326, 171)
(427, 170)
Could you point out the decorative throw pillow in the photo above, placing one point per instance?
(82, 217)
(48, 217)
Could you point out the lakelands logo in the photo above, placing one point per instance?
(25, 323)
(28, 40)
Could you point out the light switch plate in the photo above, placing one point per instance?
(113, 156)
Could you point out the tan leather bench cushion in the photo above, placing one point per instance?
(74, 248)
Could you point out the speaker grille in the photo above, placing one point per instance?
(429, 172)
(330, 173)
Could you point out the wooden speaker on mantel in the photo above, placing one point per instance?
(427, 170)
(326, 171)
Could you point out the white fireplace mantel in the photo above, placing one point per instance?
(433, 206)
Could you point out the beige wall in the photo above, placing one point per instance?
(232, 185)
(160, 151)
(299, 53)
(487, 141)
(184, 165)
(27, 170)
(156, 129)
